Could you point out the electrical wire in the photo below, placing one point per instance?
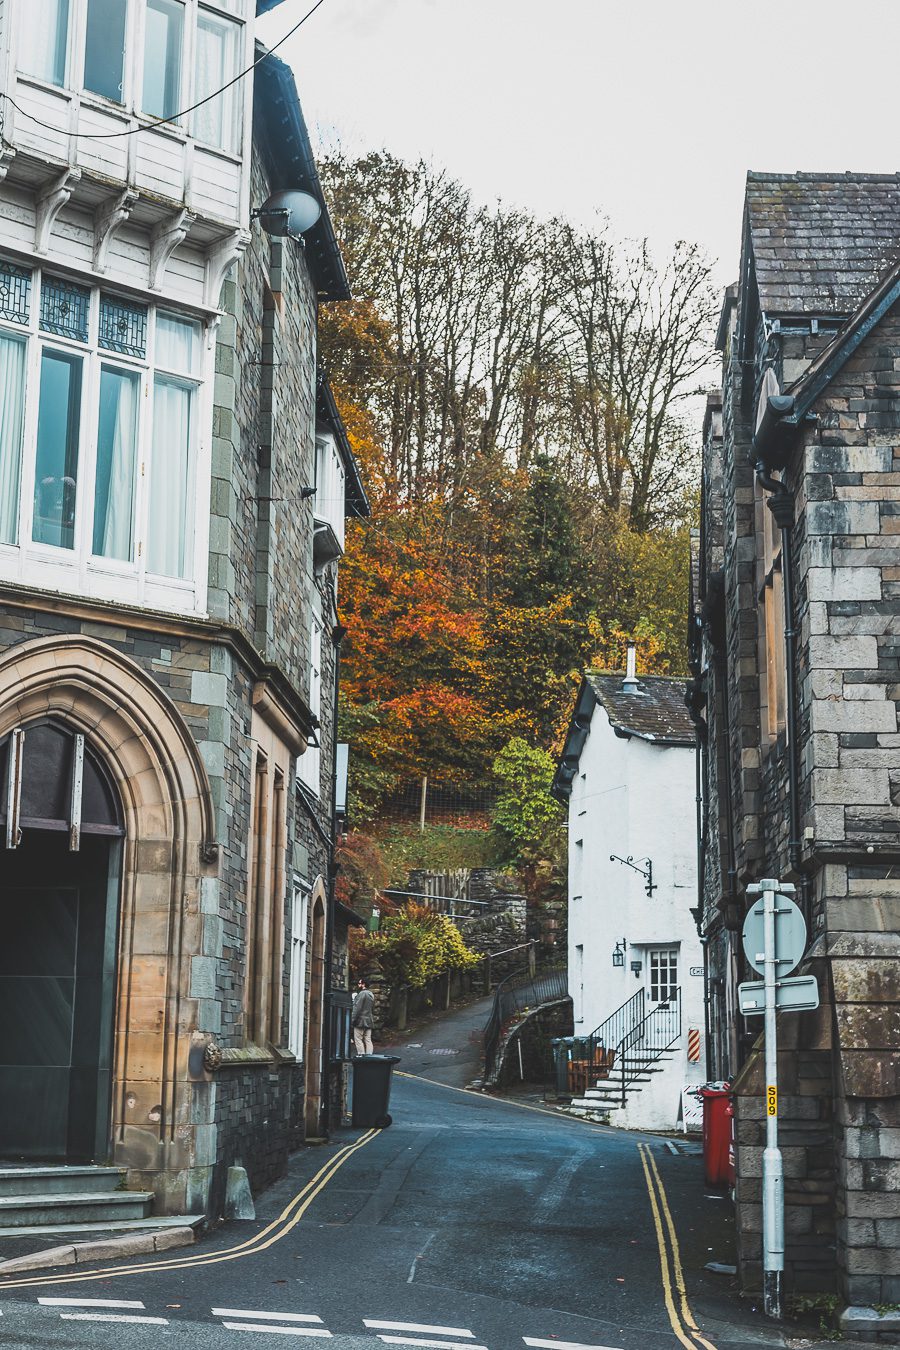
(176, 117)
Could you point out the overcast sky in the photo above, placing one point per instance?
(647, 111)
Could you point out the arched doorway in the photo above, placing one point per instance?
(59, 884)
(316, 1014)
(161, 847)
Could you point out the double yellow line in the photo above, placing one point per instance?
(288, 1219)
(677, 1306)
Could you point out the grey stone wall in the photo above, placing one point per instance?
(840, 1115)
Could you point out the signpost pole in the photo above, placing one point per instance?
(773, 1167)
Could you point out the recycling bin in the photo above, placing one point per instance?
(717, 1126)
(372, 1090)
(562, 1055)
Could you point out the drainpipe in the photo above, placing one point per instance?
(781, 504)
(338, 633)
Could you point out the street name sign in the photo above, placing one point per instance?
(796, 993)
(790, 936)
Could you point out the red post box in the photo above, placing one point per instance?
(717, 1127)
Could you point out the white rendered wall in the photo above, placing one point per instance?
(634, 797)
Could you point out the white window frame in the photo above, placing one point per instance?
(78, 571)
(329, 502)
(309, 764)
(297, 987)
(662, 971)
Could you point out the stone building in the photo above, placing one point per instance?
(173, 479)
(795, 640)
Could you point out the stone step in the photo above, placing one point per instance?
(150, 1225)
(59, 1180)
(53, 1209)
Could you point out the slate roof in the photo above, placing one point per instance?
(821, 241)
(654, 711)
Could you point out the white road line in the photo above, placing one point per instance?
(444, 1345)
(564, 1345)
(417, 1326)
(91, 1302)
(269, 1316)
(280, 1331)
(114, 1317)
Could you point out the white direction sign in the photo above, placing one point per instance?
(797, 993)
(790, 936)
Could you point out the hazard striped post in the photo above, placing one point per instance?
(693, 1045)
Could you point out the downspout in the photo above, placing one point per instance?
(337, 636)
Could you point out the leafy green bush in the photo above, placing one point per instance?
(413, 947)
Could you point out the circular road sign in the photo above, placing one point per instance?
(790, 935)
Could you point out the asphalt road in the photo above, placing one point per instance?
(470, 1223)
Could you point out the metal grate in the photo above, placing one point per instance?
(64, 308)
(123, 326)
(15, 292)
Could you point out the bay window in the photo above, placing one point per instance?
(100, 446)
(156, 56)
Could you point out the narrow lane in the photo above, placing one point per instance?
(470, 1223)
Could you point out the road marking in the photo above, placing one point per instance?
(417, 1326)
(279, 1331)
(269, 1316)
(272, 1233)
(657, 1194)
(446, 1345)
(563, 1345)
(114, 1317)
(91, 1302)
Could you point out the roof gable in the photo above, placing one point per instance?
(655, 711)
(821, 241)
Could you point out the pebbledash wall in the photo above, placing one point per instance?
(834, 357)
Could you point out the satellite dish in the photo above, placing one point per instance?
(290, 212)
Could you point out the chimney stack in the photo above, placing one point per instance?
(630, 682)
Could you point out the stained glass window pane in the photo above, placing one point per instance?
(15, 292)
(65, 308)
(123, 326)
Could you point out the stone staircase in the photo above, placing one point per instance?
(68, 1200)
(607, 1095)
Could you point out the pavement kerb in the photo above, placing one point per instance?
(74, 1253)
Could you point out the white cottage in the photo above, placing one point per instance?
(627, 772)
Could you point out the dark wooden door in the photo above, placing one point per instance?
(57, 973)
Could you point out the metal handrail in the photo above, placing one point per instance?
(656, 1034)
(515, 994)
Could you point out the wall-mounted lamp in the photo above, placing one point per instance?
(619, 953)
(288, 214)
(637, 967)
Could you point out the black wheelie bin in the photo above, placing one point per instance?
(372, 1090)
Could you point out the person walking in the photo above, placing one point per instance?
(362, 1018)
